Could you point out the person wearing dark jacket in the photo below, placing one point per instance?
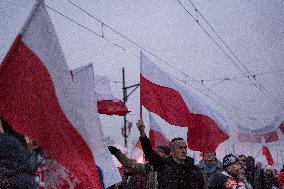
(209, 166)
(175, 172)
(15, 166)
(229, 178)
(254, 175)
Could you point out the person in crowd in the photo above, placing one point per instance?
(259, 166)
(209, 166)
(176, 171)
(254, 175)
(15, 165)
(229, 178)
(281, 178)
(270, 179)
(141, 173)
(242, 161)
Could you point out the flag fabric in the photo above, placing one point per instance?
(83, 79)
(268, 133)
(112, 107)
(267, 155)
(107, 103)
(160, 94)
(230, 148)
(156, 136)
(37, 97)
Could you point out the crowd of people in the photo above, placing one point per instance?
(171, 168)
(23, 165)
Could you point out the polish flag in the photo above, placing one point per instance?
(38, 98)
(156, 136)
(267, 155)
(266, 152)
(160, 94)
(268, 133)
(83, 79)
(107, 103)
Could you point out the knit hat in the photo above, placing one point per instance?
(229, 160)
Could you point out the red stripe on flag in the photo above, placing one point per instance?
(267, 154)
(164, 101)
(110, 107)
(204, 134)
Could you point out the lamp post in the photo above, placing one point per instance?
(126, 129)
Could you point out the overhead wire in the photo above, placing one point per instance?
(149, 52)
(260, 87)
(242, 76)
(132, 41)
(122, 48)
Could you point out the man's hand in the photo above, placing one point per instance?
(141, 127)
(113, 150)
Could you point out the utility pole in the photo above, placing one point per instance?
(125, 131)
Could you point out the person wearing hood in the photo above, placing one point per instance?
(254, 175)
(209, 166)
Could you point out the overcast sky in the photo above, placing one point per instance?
(252, 29)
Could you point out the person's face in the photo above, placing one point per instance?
(242, 161)
(259, 165)
(209, 156)
(268, 172)
(234, 169)
(179, 150)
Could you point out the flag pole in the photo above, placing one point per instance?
(30, 16)
(140, 87)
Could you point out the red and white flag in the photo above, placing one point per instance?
(160, 94)
(266, 152)
(107, 103)
(83, 79)
(37, 98)
(268, 133)
(156, 136)
(267, 155)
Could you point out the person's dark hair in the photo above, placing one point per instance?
(175, 139)
(242, 156)
(10, 131)
(250, 159)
